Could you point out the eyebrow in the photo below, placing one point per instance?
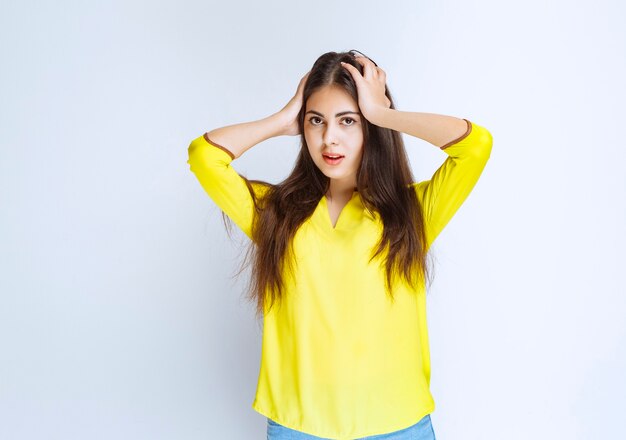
(348, 112)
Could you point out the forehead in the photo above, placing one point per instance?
(331, 97)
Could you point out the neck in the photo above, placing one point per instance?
(340, 190)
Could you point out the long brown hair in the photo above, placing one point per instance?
(383, 183)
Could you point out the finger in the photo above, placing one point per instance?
(368, 66)
(303, 80)
(353, 71)
(381, 74)
(368, 71)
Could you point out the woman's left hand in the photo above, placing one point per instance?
(370, 88)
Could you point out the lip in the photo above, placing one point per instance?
(330, 161)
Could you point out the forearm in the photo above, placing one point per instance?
(238, 138)
(436, 129)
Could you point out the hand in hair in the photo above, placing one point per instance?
(371, 87)
(289, 113)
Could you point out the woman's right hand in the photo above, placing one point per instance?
(289, 113)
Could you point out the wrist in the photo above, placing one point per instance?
(382, 116)
(277, 123)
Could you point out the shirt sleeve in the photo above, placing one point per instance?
(211, 164)
(451, 184)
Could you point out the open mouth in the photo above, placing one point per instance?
(332, 159)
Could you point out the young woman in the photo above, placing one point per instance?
(339, 250)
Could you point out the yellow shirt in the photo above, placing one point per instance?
(339, 360)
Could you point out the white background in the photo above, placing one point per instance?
(119, 318)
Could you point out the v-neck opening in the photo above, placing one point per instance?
(341, 213)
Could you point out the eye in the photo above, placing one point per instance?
(352, 120)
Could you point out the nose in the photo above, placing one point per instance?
(330, 135)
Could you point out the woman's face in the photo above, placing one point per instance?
(333, 125)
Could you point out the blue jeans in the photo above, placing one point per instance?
(422, 430)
